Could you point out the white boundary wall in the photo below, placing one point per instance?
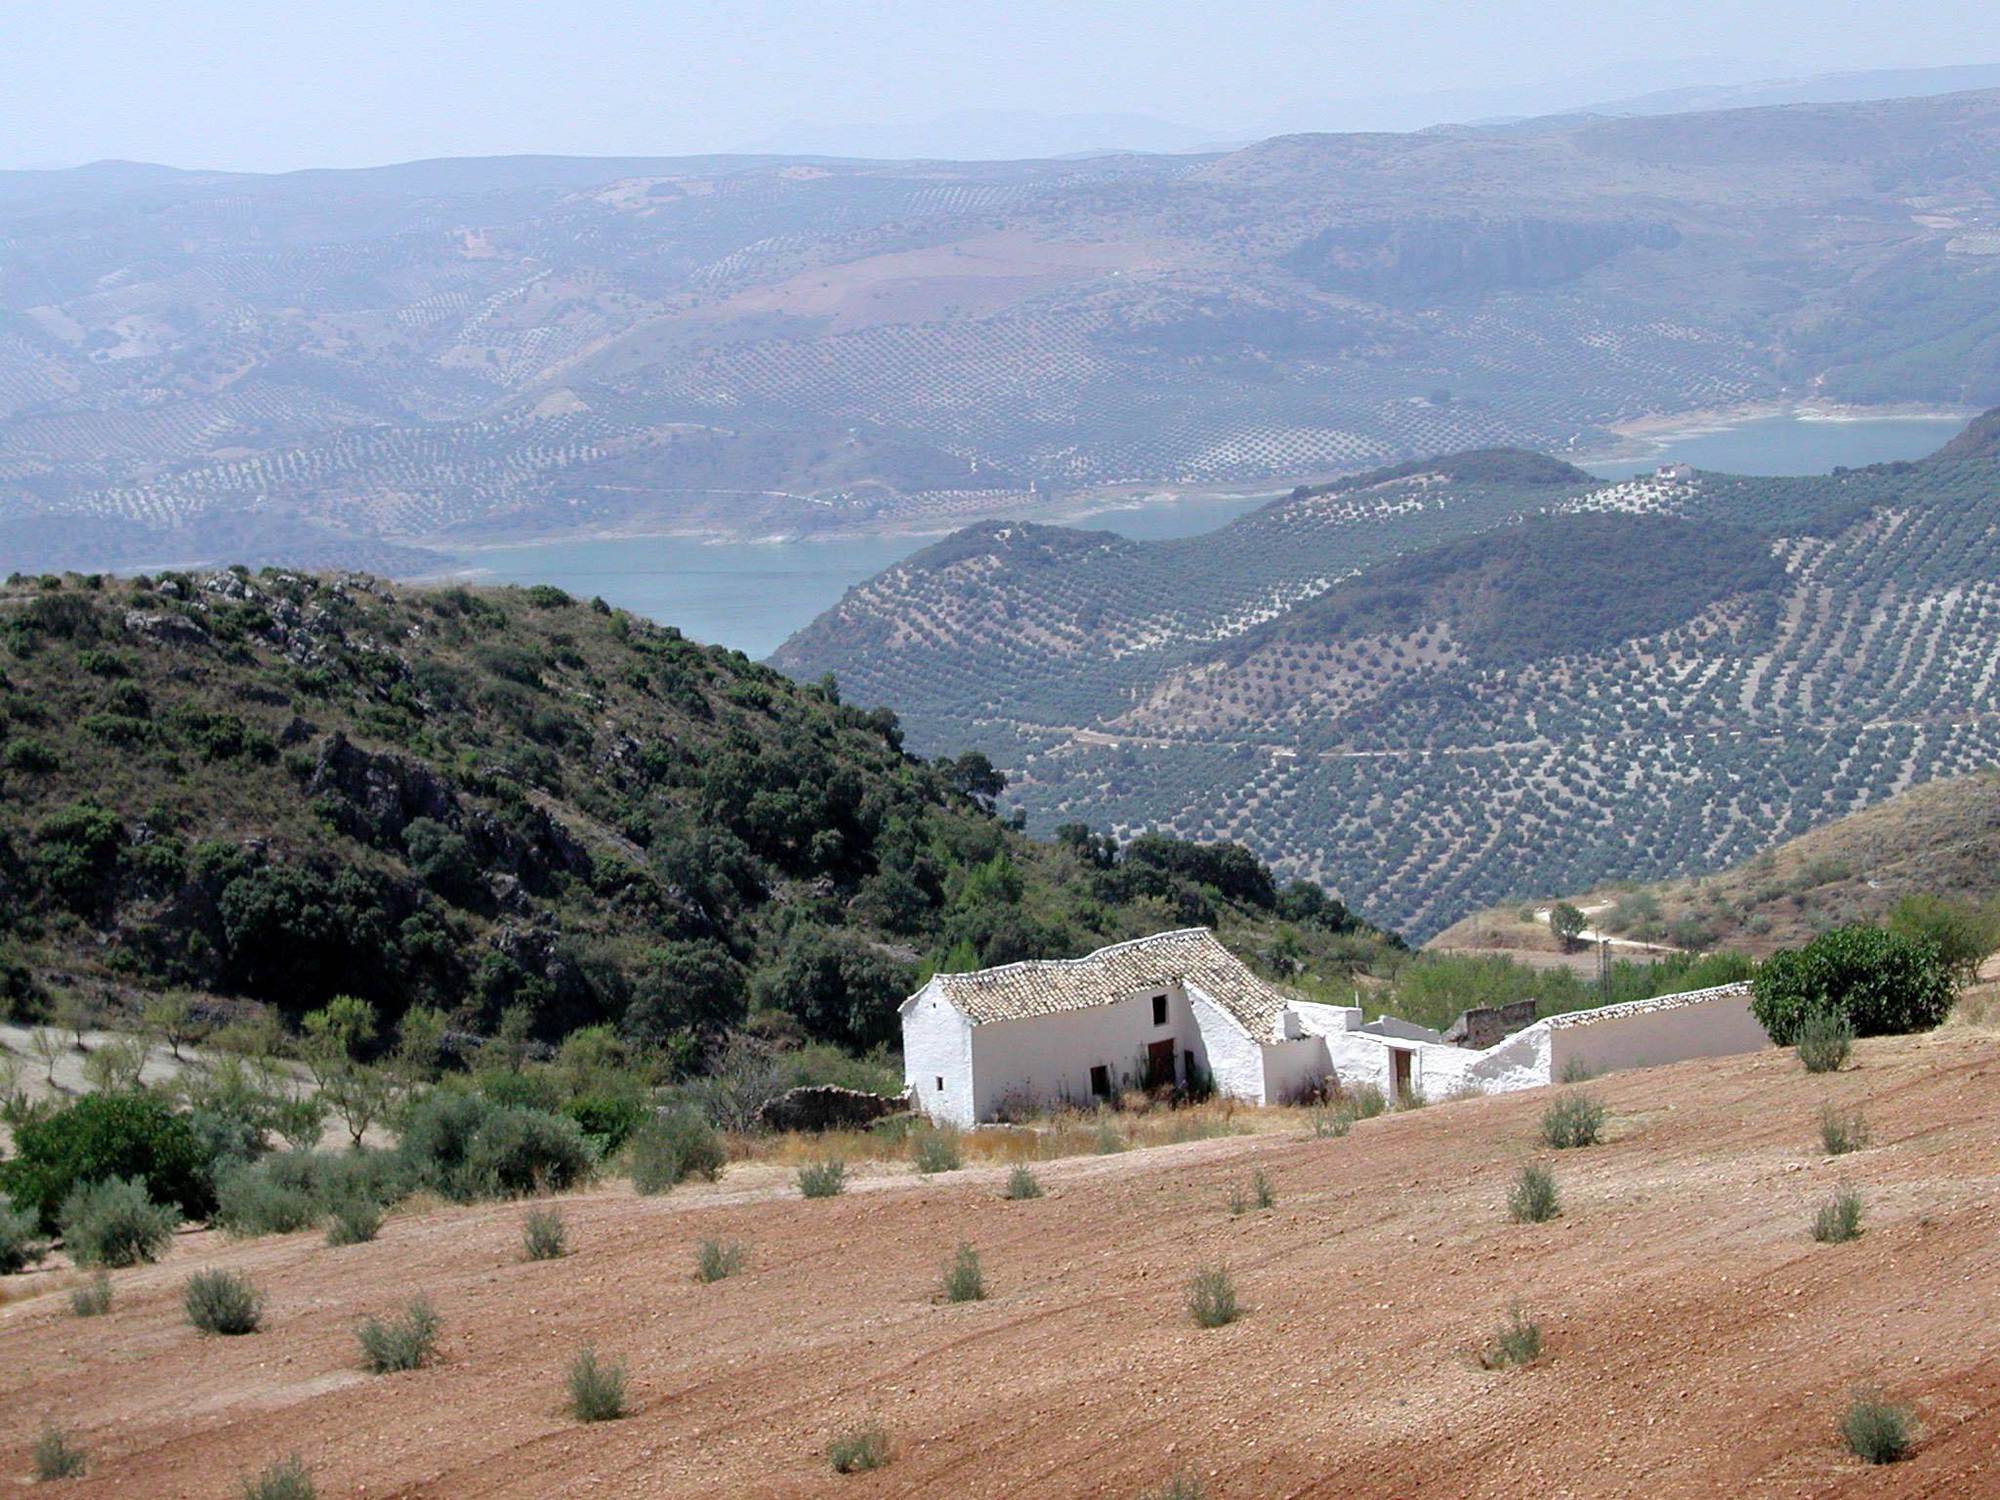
(1640, 1033)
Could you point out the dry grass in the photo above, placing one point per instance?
(1048, 1137)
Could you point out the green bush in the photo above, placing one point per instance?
(437, 1135)
(823, 1179)
(1518, 1341)
(1021, 1183)
(287, 1479)
(1824, 1040)
(93, 1298)
(267, 1197)
(1182, 1486)
(1882, 983)
(55, 1456)
(354, 1221)
(222, 1302)
(936, 1149)
(114, 1223)
(672, 1146)
(544, 1235)
(859, 1451)
(1841, 1132)
(517, 1152)
(717, 1260)
(21, 1241)
(1876, 1432)
(1838, 1219)
(1532, 1198)
(606, 1119)
(963, 1279)
(1108, 1141)
(596, 1389)
(1211, 1297)
(103, 1136)
(1573, 1119)
(408, 1342)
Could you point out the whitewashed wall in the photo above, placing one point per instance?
(937, 1043)
(1046, 1060)
(1646, 1033)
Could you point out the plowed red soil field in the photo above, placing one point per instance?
(1698, 1341)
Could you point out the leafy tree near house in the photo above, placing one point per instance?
(1880, 982)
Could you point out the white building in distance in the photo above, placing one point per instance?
(1179, 1007)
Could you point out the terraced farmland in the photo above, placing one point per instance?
(1492, 677)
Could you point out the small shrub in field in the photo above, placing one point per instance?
(596, 1387)
(274, 1196)
(222, 1302)
(93, 1298)
(286, 1479)
(1840, 1132)
(543, 1235)
(1021, 1183)
(823, 1179)
(1574, 1119)
(1838, 1219)
(113, 1223)
(1517, 1342)
(1183, 1486)
(355, 1221)
(1532, 1198)
(859, 1451)
(963, 1280)
(937, 1150)
(1108, 1141)
(21, 1242)
(405, 1343)
(1876, 1432)
(1211, 1297)
(1825, 1039)
(672, 1146)
(718, 1260)
(1365, 1101)
(55, 1456)
(1261, 1195)
(1330, 1121)
(1576, 1070)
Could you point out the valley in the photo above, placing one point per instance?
(1468, 681)
(407, 360)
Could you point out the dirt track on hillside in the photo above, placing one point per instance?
(1698, 1341)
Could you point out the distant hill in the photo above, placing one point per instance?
(1940, 839)
(361, 367)
(281, 787)
(1443, 685)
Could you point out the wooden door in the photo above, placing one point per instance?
(1160, 1064)
(1399, 1074)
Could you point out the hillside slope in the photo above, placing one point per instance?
(1452, 683)
(1940, 839)
(333, 368)
(1696, 1341)
(286, 786)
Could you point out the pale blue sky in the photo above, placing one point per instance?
(275, 84)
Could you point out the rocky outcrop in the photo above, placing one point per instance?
(376, 796)
(826, 1107)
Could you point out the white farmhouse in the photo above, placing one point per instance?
(1179, 1006)
(1157, 1010)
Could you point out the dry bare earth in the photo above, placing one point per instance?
(1699, 1342)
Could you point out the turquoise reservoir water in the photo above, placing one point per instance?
(751, 595)
(1795, 445)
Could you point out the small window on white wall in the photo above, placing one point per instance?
(1159, 1010)
(940, 1087)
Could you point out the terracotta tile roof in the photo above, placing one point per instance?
(1191, 956)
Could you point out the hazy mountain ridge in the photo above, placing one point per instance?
(449, 350)
(1437, 693)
